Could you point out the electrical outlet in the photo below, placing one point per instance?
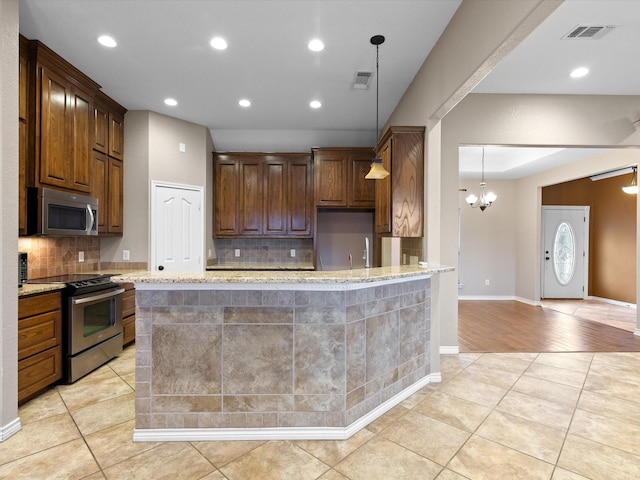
(81, 256)
(487, 282)
(293, 252)
(237, 252)
(125, 254)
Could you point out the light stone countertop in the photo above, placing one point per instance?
(35, 288)
(364, 275)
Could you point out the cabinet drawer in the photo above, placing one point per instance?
(38, 333)
(37, 304)
(39, 371)
(128, 329)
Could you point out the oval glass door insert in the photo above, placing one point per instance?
(564, 253)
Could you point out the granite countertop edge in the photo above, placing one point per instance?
(283, 276)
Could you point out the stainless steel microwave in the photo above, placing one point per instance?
(54, 212)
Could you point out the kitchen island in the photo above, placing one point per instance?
(279, 355)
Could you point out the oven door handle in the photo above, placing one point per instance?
(93, 298)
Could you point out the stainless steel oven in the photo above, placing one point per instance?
(92, 322)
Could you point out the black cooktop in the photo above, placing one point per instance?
(78, 281)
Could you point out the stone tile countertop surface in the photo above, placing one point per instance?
(35, 288)
(363, 275)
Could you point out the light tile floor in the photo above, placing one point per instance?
(497, 416)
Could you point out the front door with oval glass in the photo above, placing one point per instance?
(564, 251)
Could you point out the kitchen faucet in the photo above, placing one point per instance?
(366, 252)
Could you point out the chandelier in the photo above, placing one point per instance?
(486, 198)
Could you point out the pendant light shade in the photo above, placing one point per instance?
(632, 188)
(377, 171)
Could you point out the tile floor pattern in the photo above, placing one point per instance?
(560, 416)
(614, 315)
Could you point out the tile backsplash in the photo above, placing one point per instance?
(49, 256)
(261, 250)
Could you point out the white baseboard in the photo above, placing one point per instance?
(10, 429)
(533, 303)
(612, 302)
(486, 297)
(280, 433)
(449, 350)
(637, 332)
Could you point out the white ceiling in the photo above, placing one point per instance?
(163, 51)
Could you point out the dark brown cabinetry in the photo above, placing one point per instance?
(128, 313)
(339, 177)
(262, 195)
(62, 123)
(39, 342)
(64, 120)
(23, 75)
(108, 170)
(400, 196)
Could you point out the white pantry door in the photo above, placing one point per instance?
(176, 228)
(565, 244)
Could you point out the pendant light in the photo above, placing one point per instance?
(632, 189)
(486, 198)
(377, 171)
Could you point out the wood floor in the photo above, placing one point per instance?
(510, 326)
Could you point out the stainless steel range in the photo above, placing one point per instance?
(92, 322)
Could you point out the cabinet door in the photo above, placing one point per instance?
(100, 129)
(383, 193)
(251, 201)
(362, 192)
(116, 136)
(330, 179)
(275, 199)
(22, 143)
(299, 188)
(100, 188)
(81, 140)
(225, 198)
(407, 182)
(115, 196)
(54, 155)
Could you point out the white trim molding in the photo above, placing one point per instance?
(449, 350)
(280, 433)
(10, 429)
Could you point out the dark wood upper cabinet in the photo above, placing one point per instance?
(262, 195)
(62, 121)
(339, 177)
(400, 196)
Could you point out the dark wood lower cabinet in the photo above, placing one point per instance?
(39, 342)
(128, 313)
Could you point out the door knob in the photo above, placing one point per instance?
(546, 258)
(160, 267)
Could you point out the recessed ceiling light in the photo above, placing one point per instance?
(218, 43)
(171, 102)
(107, 41)
(316, 45)
(315, 104)
(579, 72)
(244, 103)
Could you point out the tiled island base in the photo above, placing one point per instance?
(273, 361)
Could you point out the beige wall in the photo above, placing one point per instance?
(465, 53)
(151, 143)
(488, 242)
(9, 422)
(544, 120)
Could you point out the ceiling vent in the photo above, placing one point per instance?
(362, 79)
(593, 32)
